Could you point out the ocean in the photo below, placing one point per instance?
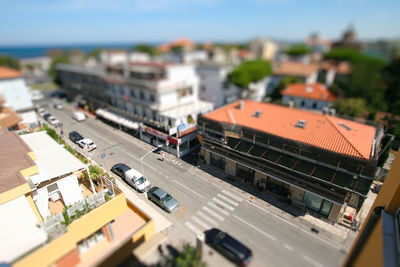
(39, 51)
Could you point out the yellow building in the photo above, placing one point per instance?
(377, 243)
(61, 220)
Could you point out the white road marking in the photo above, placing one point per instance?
(219, 217)
(230, 194)
(188, 189)
(228, 200)
(255, 228)
(200, 222)
(295, 226)
(208, 219)
(166, 176)
(313, 262)
(212, 204)
(288, 247)
(217, 200)
(196, 230)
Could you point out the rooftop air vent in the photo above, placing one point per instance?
(309, 89)
(301, 124)
(344, 126)
(257, 114)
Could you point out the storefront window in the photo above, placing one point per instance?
(244, 172)
(217, 161)
(312, 201)
(326, 207)
(183, 146)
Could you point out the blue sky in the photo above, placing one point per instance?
(26, 22)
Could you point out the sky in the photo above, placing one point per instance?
(42, 22)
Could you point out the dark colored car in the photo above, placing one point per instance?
(46, 116)
(163, 199)
(75, 136)
(228, 246)
(119, 169)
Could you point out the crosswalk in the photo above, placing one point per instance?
(176, 162)
(214, 212)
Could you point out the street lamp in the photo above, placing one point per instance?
(151, 151)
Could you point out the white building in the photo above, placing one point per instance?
(112, 57)
(264, 49)
(138, 57)
(158, 100)
(16, 95)
(308, 96)
(214, 84)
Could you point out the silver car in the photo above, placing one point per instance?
(163, 199)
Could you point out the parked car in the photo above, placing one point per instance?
(79, 116)
(228, 246)
(58, 105)
(41, 111)
(132, 177)
(163, 199)
(46, 116)
(53, 121)
(86, 144)
(75, 136)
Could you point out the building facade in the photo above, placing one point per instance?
(157, 100)
(214, 84)
(318, 162)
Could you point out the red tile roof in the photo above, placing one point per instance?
(316, 91)
(8, 118)
(322, 131)
(295, 68)
(8, 73)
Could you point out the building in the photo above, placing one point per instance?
(348, 40)
(319, 162)
(308, 96)
(16, 95)
(181, 43)
(9, 120)
(214, 84)
(377, 243)
(308, 73)
(52, 214)
(263, 49)
(35, 69)
(158, 101)
(113, 57)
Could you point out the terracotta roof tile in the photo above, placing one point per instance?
(314, 91)
(326, 132)
(8, 118)
(295, 68)
(9, 73)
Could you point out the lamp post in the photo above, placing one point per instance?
(151, 151)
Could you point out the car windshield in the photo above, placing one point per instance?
(90, 144)
(166, 198)
(140, 180)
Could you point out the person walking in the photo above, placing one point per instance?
(162, 156)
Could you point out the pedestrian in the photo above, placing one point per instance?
(162, 156)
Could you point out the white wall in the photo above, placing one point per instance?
(16, 94)
(308, 103)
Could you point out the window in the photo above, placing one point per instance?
(142, 95)
(314, 105)
(217, 161)
(89, 242)
(152, 98)
(302, 103)
(183, 146)
(317, 204)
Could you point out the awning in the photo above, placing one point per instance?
(70, 190)
(117, 119)
(42, 202)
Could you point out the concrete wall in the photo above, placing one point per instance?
(230, 167)
(258, 176)
(334, 214)
(296, 193)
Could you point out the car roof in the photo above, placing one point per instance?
(75, 133)
(236, 245)
(159, 192)
(122, 166)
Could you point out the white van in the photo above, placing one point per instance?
(79, 116)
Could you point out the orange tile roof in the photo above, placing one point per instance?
(9, 73)
(8, 118)
(314, 91)
(295, 68)
(185, 42)
(321, 131)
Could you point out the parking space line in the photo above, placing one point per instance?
(313, 262)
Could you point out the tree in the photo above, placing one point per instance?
(354, 107)
(188, 257)
(94, 53)
(250, 71)
(145, 48)
(63, 58)
(10, 62)
(391, 76)
(298, 50)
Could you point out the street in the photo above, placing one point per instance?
(205, 204)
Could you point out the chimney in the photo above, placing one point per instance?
(332, 112)
(241, 104)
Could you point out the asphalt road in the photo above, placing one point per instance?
(203, 204)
